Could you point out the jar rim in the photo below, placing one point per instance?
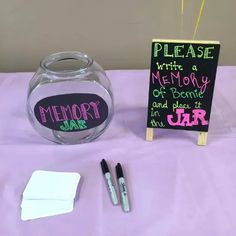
(66, 55)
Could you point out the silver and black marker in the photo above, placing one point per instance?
(109, 182)
(123, 188)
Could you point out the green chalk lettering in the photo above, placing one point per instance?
(69, 125)
(183, 51)
(200, 50)
(157, 49)
(191, 51)
(82, 124)
(73, 125)
(166, 51)
(178, 51)
(208, 52)
(154, 113)
(185, 94)
(156, 124)
(194, 68)
(160, 104)
(177, 104)
(66, 126)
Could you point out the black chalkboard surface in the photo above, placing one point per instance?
(182, 79)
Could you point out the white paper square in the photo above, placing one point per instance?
(51, 185)
(49, 193)
(46, 204)
(38, 210)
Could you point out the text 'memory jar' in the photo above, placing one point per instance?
(70, 98)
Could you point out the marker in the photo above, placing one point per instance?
(122, 187)
(109, 182)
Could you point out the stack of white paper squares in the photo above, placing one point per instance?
(49, 193)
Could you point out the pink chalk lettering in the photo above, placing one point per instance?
(66, 111)
(199, 114)
(183, 119)
(76, 112)
(43, 112)
(157, 77)
(177, 76)
(186, 81)
(82, 111)
(194, 80)
(85, 107)
(95, 108)
(205, 82)
(179, 114)
(56, 113)
(165, 80)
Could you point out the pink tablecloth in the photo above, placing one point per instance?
(176, 187)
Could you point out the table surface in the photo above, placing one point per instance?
(175, 186)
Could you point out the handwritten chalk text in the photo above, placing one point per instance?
(73, 125)
(175, 78)
(184, 51)
(188, 94)
(177, 104)
(169, 66)
(157, 124)
(184, 119)
(84, 111)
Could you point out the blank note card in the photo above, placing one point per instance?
(49, 193)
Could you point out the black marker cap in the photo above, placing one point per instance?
(119, 171)
(104, 166)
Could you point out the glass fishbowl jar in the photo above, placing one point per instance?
(70, 98)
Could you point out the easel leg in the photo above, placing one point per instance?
(149, 134)
(202, 138)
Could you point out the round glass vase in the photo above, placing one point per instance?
(70, 98)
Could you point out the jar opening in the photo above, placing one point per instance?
(66, 63)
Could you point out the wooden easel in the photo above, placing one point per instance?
(202, 137)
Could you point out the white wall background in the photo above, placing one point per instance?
(117, 34)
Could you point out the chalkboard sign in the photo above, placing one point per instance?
(71, 112)
(182, 79)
